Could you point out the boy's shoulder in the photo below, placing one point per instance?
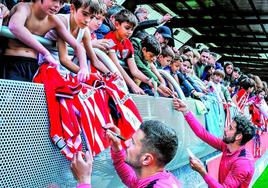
(63, 18)
(112, 35)
(25, 7)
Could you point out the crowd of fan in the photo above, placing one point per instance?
(137, 55)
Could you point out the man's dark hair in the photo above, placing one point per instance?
(151, 44)
(94, 6)
(213, 54)
(205, 50)
(242, 77)
(159, 139)
(126, 16)
(245, 127)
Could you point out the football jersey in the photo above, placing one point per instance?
(123, 49)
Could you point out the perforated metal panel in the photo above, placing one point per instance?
(27, 157)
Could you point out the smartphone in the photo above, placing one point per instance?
(190, 153)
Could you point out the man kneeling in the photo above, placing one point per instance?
(143, 163)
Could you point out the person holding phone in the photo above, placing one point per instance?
(237, 164)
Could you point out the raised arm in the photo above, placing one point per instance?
(80, 52)
(196, 127)
(82, 169)
(124, 171)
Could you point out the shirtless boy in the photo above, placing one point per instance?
(19, 61)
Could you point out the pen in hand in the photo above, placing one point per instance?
(114, 134)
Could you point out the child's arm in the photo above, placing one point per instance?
(83, 73)
(91, 54)
(136, 89)
(102, 44)
(167, 92)
(63, 56)
(177, 79)
(17, 27)
(234, 98)
(156, 72)
(137, 73)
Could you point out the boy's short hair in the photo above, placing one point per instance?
(126, 16)
(219, 72)
(247, 83)
(94, 6)
(214, 55)
(186, 49)
(151, 44)
(167, 51)
(177, 57)
(186, 58)
(236, 69)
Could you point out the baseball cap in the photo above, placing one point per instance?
(164, 31)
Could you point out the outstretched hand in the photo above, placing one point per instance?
(81, 168)
(83, 74)
(180, 106)
(51, 60)
(198, 166)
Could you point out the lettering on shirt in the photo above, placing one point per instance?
(124, 99)
(86, 95)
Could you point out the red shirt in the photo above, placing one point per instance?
(242, 98)
(123, 49)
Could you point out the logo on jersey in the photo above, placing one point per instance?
(122, 55)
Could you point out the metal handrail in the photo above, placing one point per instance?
(173, 82)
